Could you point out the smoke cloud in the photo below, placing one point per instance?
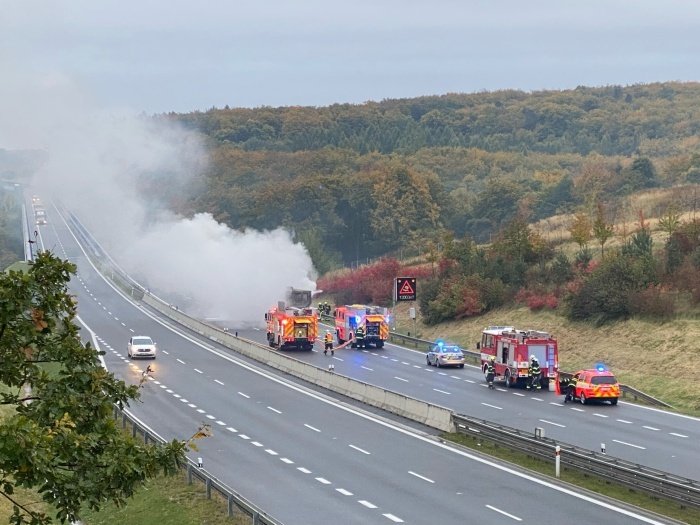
(116, 171)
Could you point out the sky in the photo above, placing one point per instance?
(157, 56)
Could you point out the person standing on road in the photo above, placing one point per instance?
(534, 373)
(328, 343)
(490, 372)
(360, 336)
(570, 389)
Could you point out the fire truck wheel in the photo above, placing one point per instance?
(462, 365)
(613, 401)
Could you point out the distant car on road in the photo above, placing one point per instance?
(141, 346)
(597, 384)
(445, 355)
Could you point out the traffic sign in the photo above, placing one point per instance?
(405, 289)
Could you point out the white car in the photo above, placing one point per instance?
(141, 346)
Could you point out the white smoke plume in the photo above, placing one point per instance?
(99, 163)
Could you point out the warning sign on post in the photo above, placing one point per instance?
(405, 289)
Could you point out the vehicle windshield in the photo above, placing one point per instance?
(603, 380)
(142, 341)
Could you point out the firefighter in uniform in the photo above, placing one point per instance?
(328, 343)
(570, 388)
(533, 373)
(490, 372)
(360, 336)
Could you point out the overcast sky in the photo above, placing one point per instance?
(176, 55)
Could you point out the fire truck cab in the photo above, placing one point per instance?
(292, 327)
(512, 349)
(374, 319)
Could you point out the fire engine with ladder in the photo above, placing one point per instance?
(293, 327)
(513, 348)
(374, 319)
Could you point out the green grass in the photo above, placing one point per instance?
(167, 500)
(659, 506)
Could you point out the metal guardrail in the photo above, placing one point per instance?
(658, 483)
(236, 503)
(475, 357)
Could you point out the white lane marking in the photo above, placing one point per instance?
(180, 360)
(201, 411)
(209, 416)
(374, 353)
(470, 381)
(337, 358)
(198, 371)
(191, 405)
(405, 363)
(132, 330)
(441, 391)
(455, 377)
(401, 379)
(553, 423)
(156, 382)
(384, 357)
(492, 406)
(184, 400)
(231, 429)
(344, 492)
(123, 324)
(177, 396)
(217, 381)
(429, 370)
(577, 409)
(116, 318)
(678, 435)
(304, 470)
(651, 428)
(168, 390)
(599, 415)
(274, 410)
(394, 360)
(503, 512)
(367, 504)
(271, 452)
(503, 389)
(416, 366)
(323, 480)
(624, 421)
(421, 477)
(287, 461)
(629, 444)
(220, 423)
(312, 428)
(536, 399)
(556, 404)
(256, 443)
(109, 313)
(244, 395)
(393, 518)
(518, 394)
(359, 449)
(363, 366)
(243, 436)
(442, 373)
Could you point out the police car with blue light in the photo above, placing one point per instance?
(442, 354)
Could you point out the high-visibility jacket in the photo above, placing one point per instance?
(489, 368)
(534, 369)
(360, 333)
(572, 381)
(329, 338)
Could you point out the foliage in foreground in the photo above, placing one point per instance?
(60, 439)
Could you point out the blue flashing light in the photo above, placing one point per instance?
(358, 319)
(600, 367)
(440, 343)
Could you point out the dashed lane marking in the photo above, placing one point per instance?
(421, 477)
(180, 361)
(492, 406)
(366, 368)
(287, 461)
(624, 421)
(651, 428)
(359, 449)
(442, 391)
(511, 516)
(274, 410)
(198, 371)
(553, 423)
(344, 492)
(244, 395)
(304, 470)
(217, 381)
(678, 435)
(629, 444)
(323, 480)
(401, 379)
(312, 428)
(393, 518)
(367, 504)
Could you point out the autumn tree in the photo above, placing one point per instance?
(580, 229)
(60, 438)
(602, 230)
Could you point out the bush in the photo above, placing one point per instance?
(653, 301)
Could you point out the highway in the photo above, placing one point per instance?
(304, 457)
(656, 438)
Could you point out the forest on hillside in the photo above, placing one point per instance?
(357, 182)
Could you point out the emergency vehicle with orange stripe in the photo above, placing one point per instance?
(596, 384)
(374, 319)
(513, 349)
(292, 327)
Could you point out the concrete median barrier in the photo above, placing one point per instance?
(408, 407)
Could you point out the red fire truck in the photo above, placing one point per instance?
(513, 348)
(291, 327)
(375, 319)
